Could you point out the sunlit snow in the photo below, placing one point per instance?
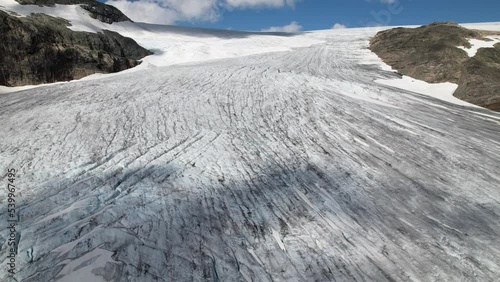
(285, 161)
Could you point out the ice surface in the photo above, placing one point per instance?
(171, 44)
(89, 267)
(278, 166)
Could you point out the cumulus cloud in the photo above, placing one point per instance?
(171, 11)
(339, 26)
(291, 28)
(167, 11)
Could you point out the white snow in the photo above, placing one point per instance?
(5, 89)
(493, 26)
(197, 171)
(476, 44)
(171, 44)
(442, 91)
(178, 45)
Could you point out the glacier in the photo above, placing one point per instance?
(288, 164)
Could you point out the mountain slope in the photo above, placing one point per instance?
(433, 53)
(279, 166)
(41, 49)
(97, 10)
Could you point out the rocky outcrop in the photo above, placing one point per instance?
(42, 49)
(480, 81)
(97, 10)
(430, 53)
(105, 13)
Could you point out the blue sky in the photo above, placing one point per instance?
(295, 15)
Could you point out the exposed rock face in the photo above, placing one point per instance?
(430, 53)
(42, 49)
(480, 82)
(100, 11)
(105, 13)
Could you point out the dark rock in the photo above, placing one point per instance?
(480, 81)
(430, 53)
(42, 49)
(105, 13)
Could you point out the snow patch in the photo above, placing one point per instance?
(477, 44)
(493, 26)
(441, 91)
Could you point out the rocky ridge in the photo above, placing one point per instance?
(431, 53)
(42, 49)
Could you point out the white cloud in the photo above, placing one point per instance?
(259, 3)
(167, 11)
(171, 11)
(384, 1)
(291, 28)
(339, 26)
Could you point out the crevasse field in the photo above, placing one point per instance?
(233, 156)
